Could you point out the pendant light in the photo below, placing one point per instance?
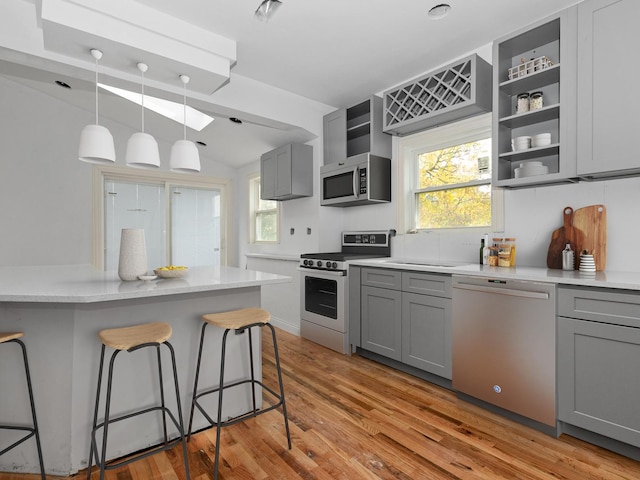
(96, 142)
(142, 148)
(267, 9)
(184, 154)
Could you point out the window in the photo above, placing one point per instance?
(264, 215)
(447, 176)
(184, 218)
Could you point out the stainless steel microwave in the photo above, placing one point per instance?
(359, 180)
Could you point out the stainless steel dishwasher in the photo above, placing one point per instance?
(504, 344)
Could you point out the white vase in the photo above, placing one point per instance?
(133, 254)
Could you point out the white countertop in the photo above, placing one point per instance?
(606, 279)
(274, 256)
(85, 284)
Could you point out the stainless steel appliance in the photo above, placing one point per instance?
(323, 287)
(359, 180)
(504, 344)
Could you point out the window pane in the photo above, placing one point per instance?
(266, 204)
(134, 205)
(195, 233)
(457, 164)
(266, 227)
(454, 208)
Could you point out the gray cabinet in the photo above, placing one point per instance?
(287, 172)
(607, 82)
(598, 359)
(355, 130)
(406, 316)
(544, 58)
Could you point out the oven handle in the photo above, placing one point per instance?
(356, 182)
(316, 272)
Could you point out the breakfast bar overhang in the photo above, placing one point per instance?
(61, 309)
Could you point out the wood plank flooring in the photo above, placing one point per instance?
(352, 418)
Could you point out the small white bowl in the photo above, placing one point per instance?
(147, 278)
(541, 140)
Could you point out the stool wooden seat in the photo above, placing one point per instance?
(126, 338)
(237, 320)
(131, 339)
(31, 431)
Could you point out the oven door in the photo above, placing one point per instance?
(323, 298)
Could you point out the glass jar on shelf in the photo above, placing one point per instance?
(536, 101)
(522, 103)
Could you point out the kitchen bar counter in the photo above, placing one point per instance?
(62, 309)
(605, 279)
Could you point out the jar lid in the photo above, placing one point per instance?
(523, 95)
(496, 239)
(536, 94)
(510, 239)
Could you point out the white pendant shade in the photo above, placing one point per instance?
(142, 151)
(142, 148)
(185, 157)
(96, 142)
(96, 145)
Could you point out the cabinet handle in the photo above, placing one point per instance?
(504, 291)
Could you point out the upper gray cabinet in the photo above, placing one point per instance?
(287, 172)
(607, 80)
(459, 90)
(540, 58)
(355, 130)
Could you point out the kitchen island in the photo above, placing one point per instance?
(61, 309)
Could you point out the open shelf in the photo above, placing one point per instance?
(543, 114)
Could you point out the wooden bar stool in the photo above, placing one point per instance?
(131, 339)
(32, 431)
(237, 320)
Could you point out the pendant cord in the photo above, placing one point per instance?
(184, 111)
(142, 102)
(96, 91)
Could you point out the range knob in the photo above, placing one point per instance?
(306, 262)
(334, 265)
(319, 263)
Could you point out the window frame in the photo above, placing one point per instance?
(411, 146)
(168, 180)
(253, 202)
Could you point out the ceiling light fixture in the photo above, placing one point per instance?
(96, 142)
(267, 9)
(184, 154)
(439, 11)
(62, 84)
(142, 148)
(235, 120)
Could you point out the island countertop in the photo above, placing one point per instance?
(85, 284)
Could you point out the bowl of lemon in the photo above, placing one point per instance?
(171, 271)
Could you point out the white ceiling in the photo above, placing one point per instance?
(335, 52)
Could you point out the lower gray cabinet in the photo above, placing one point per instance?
(426, 333)
(598, 362)
(413, 328)
(382, 321)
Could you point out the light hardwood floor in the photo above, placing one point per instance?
(352, 418)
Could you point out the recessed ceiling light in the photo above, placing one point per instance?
(62, 84)
(195, 119)
(201, 143)
(235, 120)
(439, 11)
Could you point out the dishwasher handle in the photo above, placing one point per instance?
(503, 291)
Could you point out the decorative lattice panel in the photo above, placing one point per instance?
(429, 96)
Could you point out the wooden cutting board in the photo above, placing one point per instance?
(568, 233)
(592, 220)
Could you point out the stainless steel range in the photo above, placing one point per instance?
(323, 287)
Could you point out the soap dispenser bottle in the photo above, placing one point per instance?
(568, 258)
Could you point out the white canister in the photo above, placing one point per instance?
(133, 254)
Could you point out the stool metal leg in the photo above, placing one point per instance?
(179, 408)
(253, 376)
(92, 443)
(164, 411)
(33, 431)
(284, 405)
(195, 382)
(216, 463)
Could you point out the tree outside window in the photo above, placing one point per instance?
(453, 187)
(264, 215)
